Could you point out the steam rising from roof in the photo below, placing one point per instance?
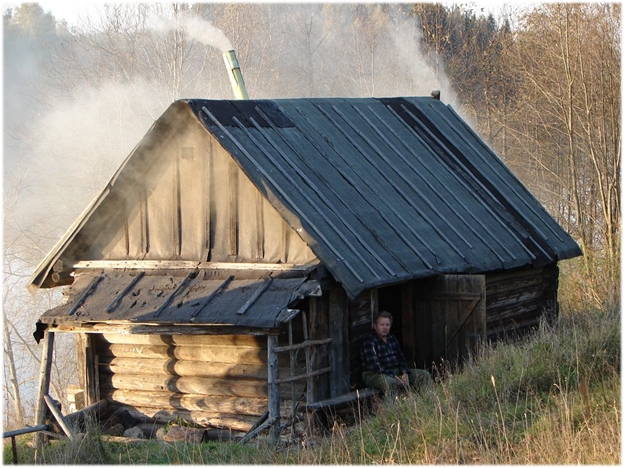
(197, 28)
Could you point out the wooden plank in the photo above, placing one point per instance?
(263, 287)
(86, 292)
(273, 390)
(408, 314)
(339, 381)
(125, 291)
(206, 419)
(445, 295)
(259, 205)
(87, 350)
(319, 331)
(233, 208)
(183, 284)
(451, 316)
(255, 431)
(44, 382)
(422, 325)
(92, 411)
(159, 329)
(81, 362)
(212, 295)
(188, 265)
(342, 400)
(59, 417)
(305, 344)
(305, 376)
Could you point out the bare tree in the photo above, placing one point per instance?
(568, 59)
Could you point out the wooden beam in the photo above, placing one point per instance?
(59, 417)
(44, 382)
(338, 311)
(78, 418)
(219, 420)
(84, 295)
(191, 275)
(190, 401)
(274, 390)
(263, 287)
(305, 376)
(342, 400)
(212, 295)
(186, 265)
(252, 433)
(408, 316)
(87, 372)
(305, 344)
(158, 329)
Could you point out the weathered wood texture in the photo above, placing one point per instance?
(362, 309)
(339, 381)
(517, 300)
(202, 418)
(450, 318)
(44, 382)
(319, 385)
(192, 203)
(218, 378)
(87, 372)
(273, 389)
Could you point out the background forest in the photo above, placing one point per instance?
(540, 85)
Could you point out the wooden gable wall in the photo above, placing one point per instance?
(182, 196)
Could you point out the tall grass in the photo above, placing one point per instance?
(552, 398)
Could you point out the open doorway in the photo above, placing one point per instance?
(390, 298)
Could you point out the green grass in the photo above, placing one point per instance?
(553, 398)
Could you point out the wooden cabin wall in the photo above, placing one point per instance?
(362, 310)
(212, 380)
(517, 300)
(183, 197)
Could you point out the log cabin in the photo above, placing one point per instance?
(229, 270)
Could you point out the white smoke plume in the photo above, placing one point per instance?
(418, 71)
(199, 29)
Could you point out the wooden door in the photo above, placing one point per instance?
(449, 318)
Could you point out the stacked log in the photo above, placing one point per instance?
(211, 380)
(517, 300)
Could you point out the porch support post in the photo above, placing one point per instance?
(44, 383)
(340, 377)
(274, 392)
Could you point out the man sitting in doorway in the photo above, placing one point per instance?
(383, 364)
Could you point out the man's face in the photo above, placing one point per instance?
(382, 327)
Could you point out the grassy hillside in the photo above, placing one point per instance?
(553, 398)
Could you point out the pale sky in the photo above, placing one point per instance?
(72, 10)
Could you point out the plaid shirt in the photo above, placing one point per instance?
(381, 357)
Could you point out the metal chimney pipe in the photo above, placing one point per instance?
(435, 94)
(236, 77)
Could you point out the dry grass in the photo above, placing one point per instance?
(553, 398)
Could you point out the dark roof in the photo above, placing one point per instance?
(382, 190)
(181, 297)
(385, 190)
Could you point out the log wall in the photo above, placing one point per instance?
(212, 380)
(517, 300)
